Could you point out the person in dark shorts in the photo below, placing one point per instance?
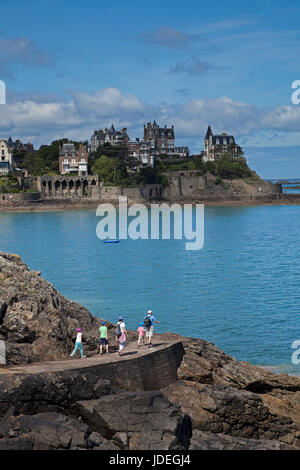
(103, 337)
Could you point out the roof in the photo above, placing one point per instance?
(208, 133)
(68, 149)
(228, 138)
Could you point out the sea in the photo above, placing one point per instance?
(241, 291)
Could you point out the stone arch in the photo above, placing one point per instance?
(85, 186)
(50, 187)
(57, 187)
(78, 188)
(64, 187)
(71, 187)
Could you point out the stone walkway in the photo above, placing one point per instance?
(130, 352)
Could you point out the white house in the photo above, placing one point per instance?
(6, 158)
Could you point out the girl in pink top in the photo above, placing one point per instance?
(141, 333)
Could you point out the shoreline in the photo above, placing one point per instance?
(62, 205)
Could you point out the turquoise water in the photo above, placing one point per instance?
(241, 291)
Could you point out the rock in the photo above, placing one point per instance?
(36, 322)
(49, 391)
(18, 443)
(204, 363)
(44, 431)
(209, 441)
(144, 420)
(227, 410)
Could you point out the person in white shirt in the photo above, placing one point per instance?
(78, 343)
(122, 337)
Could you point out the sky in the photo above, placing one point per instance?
(71, 67)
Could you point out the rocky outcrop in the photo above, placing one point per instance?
(207, 399)
(36, 322)
(141, 420)
(223, 395)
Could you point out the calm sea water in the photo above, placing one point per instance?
(241, 291)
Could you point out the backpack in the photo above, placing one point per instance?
(118, 330)
(147, 322)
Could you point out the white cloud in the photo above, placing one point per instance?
(77, 118)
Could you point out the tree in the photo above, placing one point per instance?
(110, 170)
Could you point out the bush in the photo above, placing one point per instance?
(13, 190)
(218, 180)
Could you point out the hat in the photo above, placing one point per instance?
(121, 318)
(141, 324)
(79, 329)
(149, 311)
(103, 323)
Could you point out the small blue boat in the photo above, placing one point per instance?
(111, 241)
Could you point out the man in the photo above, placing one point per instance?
(149, 326)
(103, 337)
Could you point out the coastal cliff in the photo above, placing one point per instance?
(184, 393)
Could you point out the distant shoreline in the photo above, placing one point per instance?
(62, 205)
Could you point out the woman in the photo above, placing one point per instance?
(122, 337)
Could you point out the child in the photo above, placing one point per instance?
(103, 337)
(78, 343)
(141, 332)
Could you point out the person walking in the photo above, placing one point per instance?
(141, 333)
(78, 344)
(103, 337)
(149, 326)
(121, 335)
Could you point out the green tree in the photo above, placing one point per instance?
(110, 170)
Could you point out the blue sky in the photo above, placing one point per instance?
(71, 67)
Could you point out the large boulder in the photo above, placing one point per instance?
(37, 322)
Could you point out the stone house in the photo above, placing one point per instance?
(142, 151)
(216, 145)
(111, 136)
(161, 139)
(72, 160)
